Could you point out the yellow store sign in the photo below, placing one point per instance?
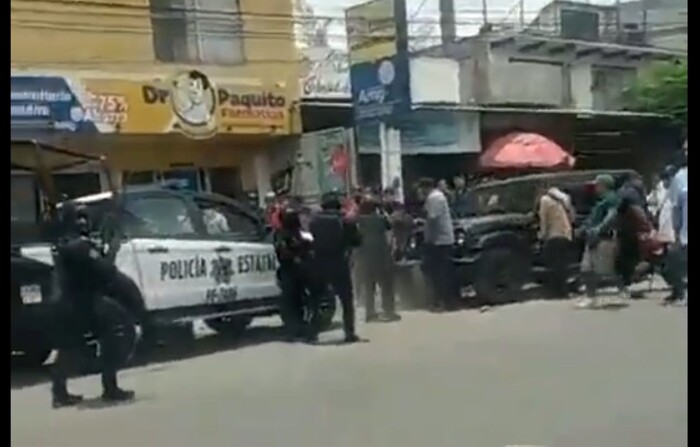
(189, 102)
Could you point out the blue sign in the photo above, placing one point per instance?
(380, 88)
(46, 103)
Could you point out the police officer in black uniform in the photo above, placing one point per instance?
(297, 281)
(84, 278)
(334, 238)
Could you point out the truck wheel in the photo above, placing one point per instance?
(229, 326)
(500, 276)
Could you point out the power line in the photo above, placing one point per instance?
(220, 30)
(418, 10)
(128, 12)
(205, 11)
(178, 14)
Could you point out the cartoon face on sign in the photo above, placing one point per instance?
(193, 99)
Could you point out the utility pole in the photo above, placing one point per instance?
(618, 22)
(645, 20)
(521, 15)
(485, 11)
(448, 27)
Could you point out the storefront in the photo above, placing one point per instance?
(44, 108)
(209, 133)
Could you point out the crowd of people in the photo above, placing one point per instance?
(364, 234)
(360, 237)
(624, 230)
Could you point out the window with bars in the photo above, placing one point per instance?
(198, 31)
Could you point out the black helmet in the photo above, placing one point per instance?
(331, 201)
(290, 219)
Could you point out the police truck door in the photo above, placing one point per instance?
(166, 240)
(244, 266)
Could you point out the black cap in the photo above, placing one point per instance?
(331, 201)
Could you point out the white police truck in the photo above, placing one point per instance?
(194, 256)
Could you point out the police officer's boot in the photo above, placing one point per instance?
(63, 398)
(111, 392)
(66, 400)
(60, 397)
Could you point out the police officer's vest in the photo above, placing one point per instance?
(330, 238)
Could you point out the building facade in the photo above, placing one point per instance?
(655, 23)
(197, 91)
(563, 77)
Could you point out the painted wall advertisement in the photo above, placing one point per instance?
(379, 71)
(46, 103)
(328, 155)
(188, 102)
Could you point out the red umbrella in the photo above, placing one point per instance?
(520, 150)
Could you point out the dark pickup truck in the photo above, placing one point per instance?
(496, 248)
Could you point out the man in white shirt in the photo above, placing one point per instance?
(676, 271)
(661, 208)
(439, 240)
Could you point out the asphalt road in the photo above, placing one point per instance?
(536, 374)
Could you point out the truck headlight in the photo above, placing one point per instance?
(460, 238)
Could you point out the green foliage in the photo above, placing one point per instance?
(663, 88)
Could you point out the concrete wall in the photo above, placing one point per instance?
(505, 76)
(117, 36)
(519, 82)
(434, 80)
(675, 41)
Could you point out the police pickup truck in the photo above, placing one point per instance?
(194, 256)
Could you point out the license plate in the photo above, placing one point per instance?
(31, 294)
